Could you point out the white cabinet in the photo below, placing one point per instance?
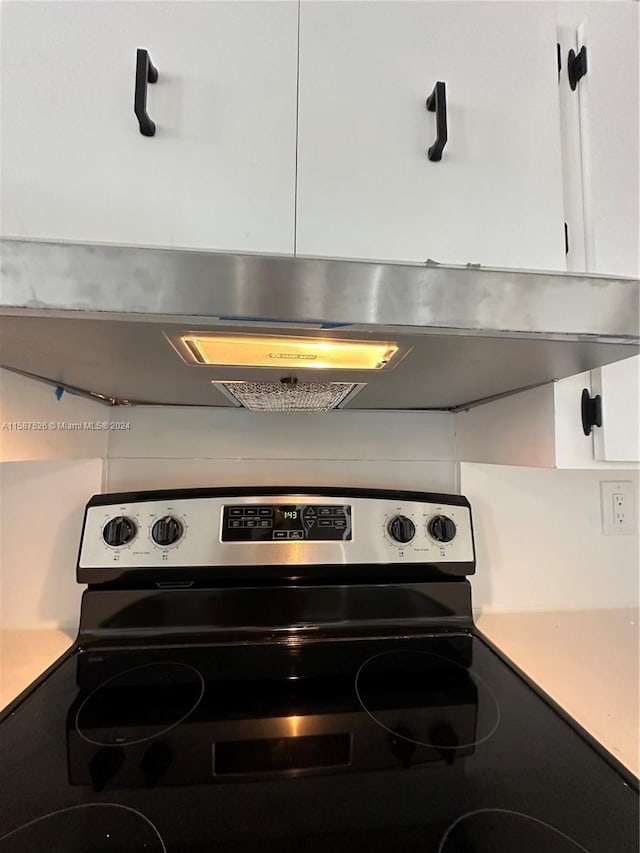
(609, 122)
(542, 427)
(604, 222)
(615, 444)
(282, 129)
(366, 188)
(220, 171)
(618, 440)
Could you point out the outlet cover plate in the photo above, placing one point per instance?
(618, 504)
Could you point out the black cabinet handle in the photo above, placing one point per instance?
(590, 411)
(437, 103)
(146, 72)
(576, 66)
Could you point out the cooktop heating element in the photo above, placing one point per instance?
(294, 670)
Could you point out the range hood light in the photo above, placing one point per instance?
(265, 351)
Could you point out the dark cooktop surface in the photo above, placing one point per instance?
(429, 743)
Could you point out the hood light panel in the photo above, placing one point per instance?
(290, 352)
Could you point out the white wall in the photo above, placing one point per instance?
(539, 540)
(514, 430)
(42, 504)
(46, 476)
(24, 401)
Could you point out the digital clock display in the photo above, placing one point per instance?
(290, 522)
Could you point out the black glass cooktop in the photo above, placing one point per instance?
(430, 744)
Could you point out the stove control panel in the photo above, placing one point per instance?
(285, 522)
(208, 529)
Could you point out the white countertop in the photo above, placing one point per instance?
(586, 660)
(25, 654)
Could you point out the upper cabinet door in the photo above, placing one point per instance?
(609, 100)
(618, 439)
(366, 188)
(219, 172)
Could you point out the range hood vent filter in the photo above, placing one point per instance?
(289, 397)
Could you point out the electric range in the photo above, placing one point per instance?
(294, 670)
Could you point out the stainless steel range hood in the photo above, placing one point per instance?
(99, 319)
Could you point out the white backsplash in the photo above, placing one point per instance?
(132, 474)
(177, 448)
(539, 540)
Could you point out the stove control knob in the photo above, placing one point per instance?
(402, 529)
(442, 528)
(119, 531)
(166, 531)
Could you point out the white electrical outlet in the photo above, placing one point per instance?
(618, 502)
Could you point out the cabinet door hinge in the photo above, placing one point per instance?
(576, 66)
